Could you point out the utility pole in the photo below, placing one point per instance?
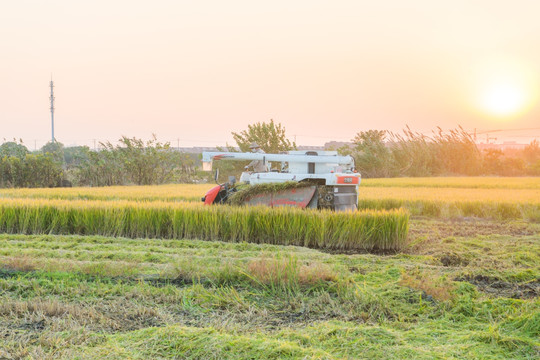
(52, 109)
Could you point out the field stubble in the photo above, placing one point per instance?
(89, 296)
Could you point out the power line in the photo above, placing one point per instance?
(504, 130)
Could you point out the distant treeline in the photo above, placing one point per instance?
(384, 154)
(132, 161)
(377, 153)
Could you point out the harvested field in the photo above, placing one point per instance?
(88, 296)
(143, 287)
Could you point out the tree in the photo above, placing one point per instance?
(42, 171)
(34, 170)
(55, 149)
(492, 161)
(133, 161)
(372, 157)
(531, 153)
(148, 163)
(270, 137)
(101, 168)
(12, 148)
(12, 172)
(75, 155)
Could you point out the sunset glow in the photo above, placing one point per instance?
(503, 99)
(504, 87)
(192, 72)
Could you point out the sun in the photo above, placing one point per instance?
(504, 88)
(503, 99)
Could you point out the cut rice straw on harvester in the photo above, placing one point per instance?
(246, 192)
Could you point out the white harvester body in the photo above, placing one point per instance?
(333, 177)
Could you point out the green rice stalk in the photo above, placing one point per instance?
(367, 230)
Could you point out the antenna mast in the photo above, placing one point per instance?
(52, 110)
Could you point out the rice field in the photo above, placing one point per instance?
(439, 189)
(151, 273)
(361, 230)
(480, 182)
(452, 197)
(172, 192)
(482, 197)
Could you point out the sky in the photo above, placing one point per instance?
(192, 72)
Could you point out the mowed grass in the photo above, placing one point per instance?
(369, 230)
(88, 297)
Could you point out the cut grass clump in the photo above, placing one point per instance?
(18, 264)
(362, 230)
(431, 288)
(247, 192)
(283, 274)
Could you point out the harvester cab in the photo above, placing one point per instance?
(315, 179)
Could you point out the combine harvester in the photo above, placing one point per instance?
(305, 179)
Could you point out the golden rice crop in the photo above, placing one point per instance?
(524, 196)
(170, 192)
(491, 197)
(478, 182)
(361, 230)
(451, 202)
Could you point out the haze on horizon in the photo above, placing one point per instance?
(324, 69)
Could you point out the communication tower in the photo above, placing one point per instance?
(52, 110)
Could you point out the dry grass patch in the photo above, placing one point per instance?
(93, 268)
(287, 271)
(47, 308)
(19, 264)
(435, 287)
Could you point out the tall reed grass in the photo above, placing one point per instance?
(362, 230)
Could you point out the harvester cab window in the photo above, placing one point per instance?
(311, 165)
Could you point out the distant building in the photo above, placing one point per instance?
(195, 149)
(305, 147)
(334, 145)
(507, 145)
